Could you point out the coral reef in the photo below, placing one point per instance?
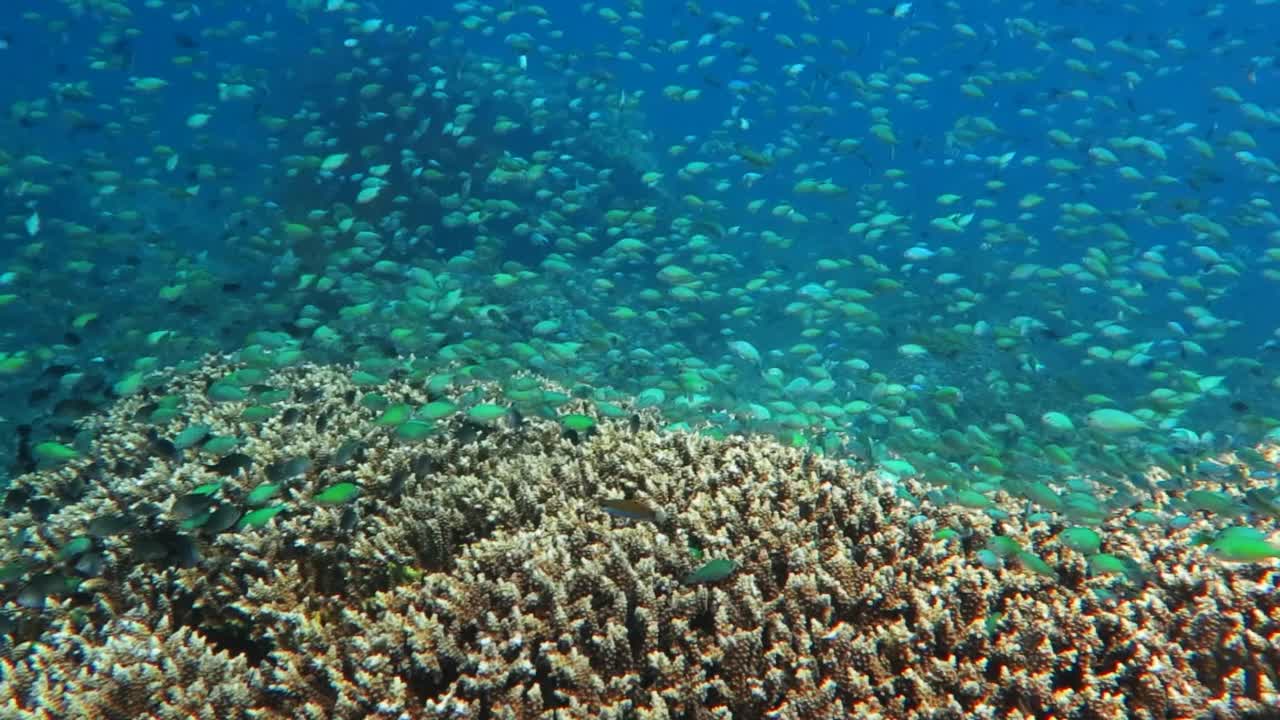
(475, 575)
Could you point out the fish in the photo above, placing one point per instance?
(1243, 550)
(1083, 540)
(75, 548)
(192, 505)
(285, 470)
(259, 518)
(1242, 544)
(1036, 564)
(1264, 500)
(262, 493)
(630, 509)
(12, 571)
(338, 494)
(222, 518)
(111, 524)
(1216, 502)
(712, 571)
(232, 464)
(746, 351)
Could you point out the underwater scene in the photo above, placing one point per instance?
(639, 360)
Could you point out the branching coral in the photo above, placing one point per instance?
(476, 575)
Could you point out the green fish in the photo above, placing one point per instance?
(54, 453)
(713, 571)
(1085, 509)
(1202, 538)
(260, 517)
(257, 413)
(1081, 539)
(1105, 564)
(414, 430)
(904, 494)
(695, 550)
(1004, 546)
(1108, 564)
(190, 436)
(948, 534)
(225, 392)
(992, 622)
(12, 571)
(437, 409)
(973, 499)
(1218, 503)
(220, 444)
(1044, 496)
(1264, 500)
(578, 422)
(75, 548)
(395, 415)
(1243, 544)
(1105, 595)
(1145, 517)
(262, 493)
(343, 492)
(1035, 564)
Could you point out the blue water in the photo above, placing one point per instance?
(149, 230)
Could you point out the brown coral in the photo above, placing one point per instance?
(476, 576)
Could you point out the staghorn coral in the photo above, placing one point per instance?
(132, 666)
(475, 576)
